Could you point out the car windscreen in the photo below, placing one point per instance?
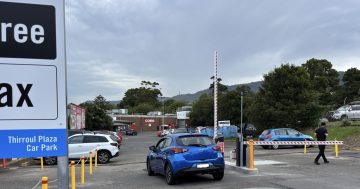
(194, 141)
(114, 138)
(266, 132)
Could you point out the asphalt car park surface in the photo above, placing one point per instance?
(283, 168)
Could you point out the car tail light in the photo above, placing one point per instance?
(268, 136)
(114, 144)
(216, 148)
(179, 150)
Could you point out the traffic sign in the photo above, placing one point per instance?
(32, 79)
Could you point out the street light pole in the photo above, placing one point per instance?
(163, 109)
(241, 140)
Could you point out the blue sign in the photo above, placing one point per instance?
(33, 117)
(33, 143)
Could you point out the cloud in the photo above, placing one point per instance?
(112, 45)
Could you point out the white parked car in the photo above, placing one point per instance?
(340, 113)
(81, 145)
(354, 112)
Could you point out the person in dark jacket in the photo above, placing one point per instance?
(321, 134)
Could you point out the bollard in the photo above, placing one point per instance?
(82, 170)
(251, 154)
(41, 163)
(96, 157)
(4, 163)
(90, 170)
(73, 186)
(305, 148)
(336, 150)
(237, 155)
(44, 183)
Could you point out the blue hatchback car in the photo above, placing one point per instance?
(184, 153)
(283, 134)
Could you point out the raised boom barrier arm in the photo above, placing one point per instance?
(263, 143)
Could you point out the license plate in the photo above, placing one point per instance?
(202, 165)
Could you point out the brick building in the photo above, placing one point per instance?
(143, 122)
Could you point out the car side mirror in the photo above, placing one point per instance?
(152, 148)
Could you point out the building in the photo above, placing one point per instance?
(143, 122)
(182, 115)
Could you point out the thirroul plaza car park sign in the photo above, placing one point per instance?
(32, 79)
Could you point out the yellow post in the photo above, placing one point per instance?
(44, 183)
(251, 154)
(82, 170)
(305, 148)
(73, 186)
(42, 163)
(96, 155)
(90, 163)
(336, 150)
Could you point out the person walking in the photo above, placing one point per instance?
(321, 134)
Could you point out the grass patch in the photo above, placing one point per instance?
(337, 131)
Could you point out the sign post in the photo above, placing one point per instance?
(33, 81)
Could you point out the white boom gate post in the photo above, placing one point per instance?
(215, 95)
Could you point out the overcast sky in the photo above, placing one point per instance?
(112, 45)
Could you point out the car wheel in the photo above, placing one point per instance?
(218, 175)
(275, 146)
(170, 179)
(343, 118)
(103, 157)
(148, 167)
(308, 146)
(265, 147)
(50, 160)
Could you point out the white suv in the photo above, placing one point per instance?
(81, 145)
(341, 112)
(353, 112)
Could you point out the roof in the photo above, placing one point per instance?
(89, 134)
(187, 134)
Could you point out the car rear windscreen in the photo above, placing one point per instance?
(194, 141)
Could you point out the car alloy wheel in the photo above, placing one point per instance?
(275, 146)
(103, 157)
(169, 175)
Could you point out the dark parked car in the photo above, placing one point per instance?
(131, 132)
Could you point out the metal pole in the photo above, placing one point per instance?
(163, 116)
(62, 168)
(241, 134)
(237, 151)
(215, 95)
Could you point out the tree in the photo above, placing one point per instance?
(286, 99)
(202, 113)
(221, 88)
(95, 116)
(324, 79)
(148, 93)
(142, 108)
(351, 89)
(171, 105)
(230, 105)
